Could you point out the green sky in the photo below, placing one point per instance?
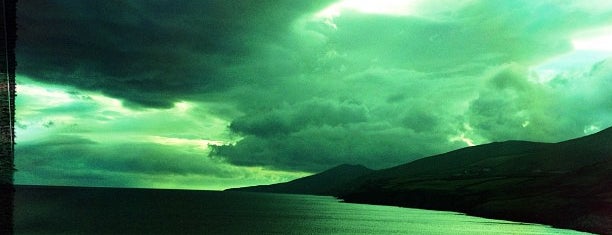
(218, 94)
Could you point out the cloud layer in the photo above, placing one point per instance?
(301, 86)
(387, 89)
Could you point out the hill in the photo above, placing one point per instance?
(330, 182)
(510, 158)
(565, 184)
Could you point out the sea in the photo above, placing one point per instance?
(82, 210)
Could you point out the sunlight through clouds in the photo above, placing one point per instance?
(594, 40)
(70, 129)
(385, 7)
(433, 10)
(200, 144)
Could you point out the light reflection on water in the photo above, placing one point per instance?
(129, 211)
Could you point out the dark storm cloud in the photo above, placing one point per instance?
(150, 53)
(317, 134)
(291, 118)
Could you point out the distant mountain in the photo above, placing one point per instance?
(334, 181)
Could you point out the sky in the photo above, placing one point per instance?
(217, 94)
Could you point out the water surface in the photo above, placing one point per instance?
(68, 210)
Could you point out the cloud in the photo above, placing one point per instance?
(421, 86)
(279, 88)
(291, 118)
(95, 141)
(148, 54)
(142, 158)
(481, 32)
(74, 160)
(316, 134)
(510, 106)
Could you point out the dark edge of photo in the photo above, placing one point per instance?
(7, 114)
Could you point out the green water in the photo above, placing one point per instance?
(63, 210)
